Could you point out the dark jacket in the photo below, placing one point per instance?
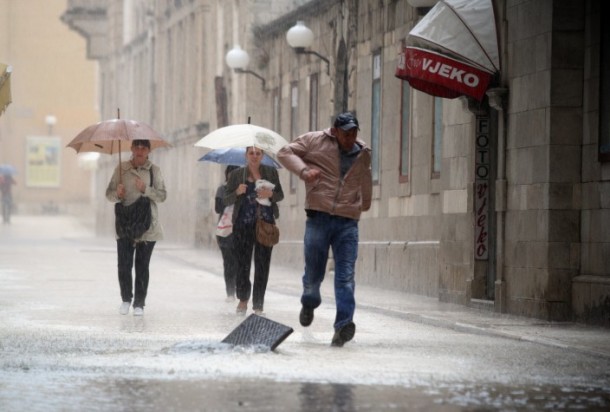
(238, 176)
(219, 200)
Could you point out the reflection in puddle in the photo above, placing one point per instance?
(265, 395)
(132, 324)
(316, 397)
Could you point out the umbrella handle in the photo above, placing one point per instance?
(118, 116)
(120, 171)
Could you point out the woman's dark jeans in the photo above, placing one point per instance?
(244, 243)
(143, 251)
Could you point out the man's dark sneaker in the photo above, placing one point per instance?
(306, 316)
(345, 334)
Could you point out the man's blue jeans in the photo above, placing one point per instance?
(322, 232)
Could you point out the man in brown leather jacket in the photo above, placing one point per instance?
(336, 168)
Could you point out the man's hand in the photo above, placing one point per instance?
(140, 185)
(264, 193)
(241, 189)
(120, 191)
(310, 175)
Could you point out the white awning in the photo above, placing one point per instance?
(462, 29)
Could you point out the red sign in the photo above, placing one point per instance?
(440, 75)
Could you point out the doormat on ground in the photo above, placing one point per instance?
(258, 330)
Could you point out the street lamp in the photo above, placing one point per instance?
(50, 120)
(238, 59)
(300, 37)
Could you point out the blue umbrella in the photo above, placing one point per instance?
(8, 170)
(236, 156)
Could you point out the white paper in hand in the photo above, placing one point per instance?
(263, 184)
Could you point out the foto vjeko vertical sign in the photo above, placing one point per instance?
(481, 195)
(42, 161)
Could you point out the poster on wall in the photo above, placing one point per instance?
(42, 161)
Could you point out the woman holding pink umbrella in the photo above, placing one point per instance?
(131, 180)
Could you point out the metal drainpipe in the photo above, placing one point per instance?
(497, 100)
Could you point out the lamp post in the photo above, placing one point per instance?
(50, 121)
(238, 59)
(300, 37)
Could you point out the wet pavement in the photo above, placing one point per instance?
(63, 345)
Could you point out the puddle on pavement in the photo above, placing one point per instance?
(265, 395)
(213, 348)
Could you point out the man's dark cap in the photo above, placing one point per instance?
(141, 142)
(346, 121)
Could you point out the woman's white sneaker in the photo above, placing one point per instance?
(124, 309)
(138, 311)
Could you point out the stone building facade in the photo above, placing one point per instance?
(500, 204)
(53, 87)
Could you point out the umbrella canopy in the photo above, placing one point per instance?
(243, 135)
(8, 170)
(5, 86)
(453, 50)
(462, 28)
(114, 136)
(236, 156)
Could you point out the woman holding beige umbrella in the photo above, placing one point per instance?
(252, 203)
